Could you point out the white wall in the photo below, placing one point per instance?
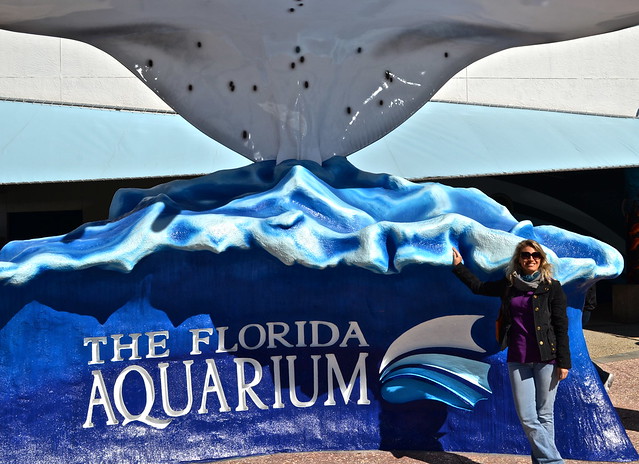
(593, 75)
(60, 70)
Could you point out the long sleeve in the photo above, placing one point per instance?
(559, 321)
(490, 288)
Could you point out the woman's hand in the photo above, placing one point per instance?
(457, 258)
(562, 373)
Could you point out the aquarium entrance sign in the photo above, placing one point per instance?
(246, 375)
(279, 308)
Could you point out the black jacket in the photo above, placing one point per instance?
(549, 304)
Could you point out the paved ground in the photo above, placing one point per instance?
(613, 346)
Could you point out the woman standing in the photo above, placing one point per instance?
(534, 328)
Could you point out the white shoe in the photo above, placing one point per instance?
(608, 382)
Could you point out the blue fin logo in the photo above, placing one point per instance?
(454, 380)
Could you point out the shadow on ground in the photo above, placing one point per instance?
(434, 458)
(629, 418)
(623, 330)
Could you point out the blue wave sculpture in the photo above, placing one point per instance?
(377, 222)
(310, 285)
(306, 80)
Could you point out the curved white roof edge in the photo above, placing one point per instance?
(445, 140)
(54, 143)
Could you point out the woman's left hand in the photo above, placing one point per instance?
(562, 373)
(457, 257)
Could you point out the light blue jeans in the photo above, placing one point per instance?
(534, 387)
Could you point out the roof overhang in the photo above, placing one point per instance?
(54, 143)
(445, 140)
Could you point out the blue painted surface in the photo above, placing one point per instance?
(366, 255)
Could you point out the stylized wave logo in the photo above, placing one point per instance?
(453, 380)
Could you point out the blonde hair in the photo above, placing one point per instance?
(545, 268)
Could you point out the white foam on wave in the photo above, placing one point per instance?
(315, 217)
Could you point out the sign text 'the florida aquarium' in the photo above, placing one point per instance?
(248, 371)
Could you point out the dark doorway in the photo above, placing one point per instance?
(35, 224)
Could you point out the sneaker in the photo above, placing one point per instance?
(608, 382)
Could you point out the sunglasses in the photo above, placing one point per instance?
(528, 255)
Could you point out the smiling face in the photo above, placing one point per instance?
(529, 260)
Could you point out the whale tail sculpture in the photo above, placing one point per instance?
(306, 80)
